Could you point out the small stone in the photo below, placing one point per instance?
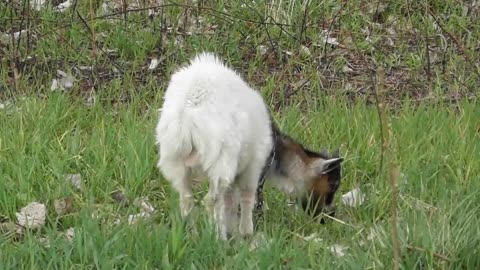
(75, 180)
(32, 216)
(353, 198)
(338, 250)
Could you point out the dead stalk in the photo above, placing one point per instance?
(304, 23)
(124, 11)
(393, 171)
(13, 62)
(28, 28)
(436, 255)
(329, 30)
(427, 54)
(92, 16)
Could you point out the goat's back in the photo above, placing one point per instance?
(210, 113)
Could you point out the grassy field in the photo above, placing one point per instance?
(314, 62)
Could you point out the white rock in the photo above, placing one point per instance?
(347, 69)
(353, 198)
(63, 83)
(144, 204)
(6, 38)
(37, 4)
(54, 85)
(75, 180)
(67, 82)
(262, 49)
(63, 6)
(132, 219)
(329, 40)
(305, 51)
(32, 216)
(89, 68)
(338, 250)
(44, 241)
(70, 233)
(314, 237)
(152, 13)
(110, 6)
(153, 64)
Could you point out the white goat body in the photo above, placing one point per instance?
(213, 124)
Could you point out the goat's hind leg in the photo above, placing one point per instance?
(186, 203)
(247, 200)
(179, 176)
(186, 200)
(185, 193)
(231, 210)
(221, 186)
(229, 213)
(221, 199)
(224, 210)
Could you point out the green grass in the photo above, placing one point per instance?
(41, 140)
(103, 128)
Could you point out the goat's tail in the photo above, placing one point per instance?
(173, 135)
(186, 134)
(199, 140)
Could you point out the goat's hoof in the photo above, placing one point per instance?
(230, 236)
(247, 237)
(246, 228)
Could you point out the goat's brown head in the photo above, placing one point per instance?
(320, 193)
(314, 176)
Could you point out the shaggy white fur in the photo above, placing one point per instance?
(213, 124)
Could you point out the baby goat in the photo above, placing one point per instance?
(213, 124)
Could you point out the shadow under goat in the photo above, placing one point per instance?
(213, 125)
(312, 177)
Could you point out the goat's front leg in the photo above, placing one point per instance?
(220, 217)
(209, 202)
(247, 184)
(247, 201)
(231, 211)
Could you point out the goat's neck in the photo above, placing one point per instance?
(290, 167)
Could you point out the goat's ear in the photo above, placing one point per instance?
(323, 166)
(336, 154)
(324, 152)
